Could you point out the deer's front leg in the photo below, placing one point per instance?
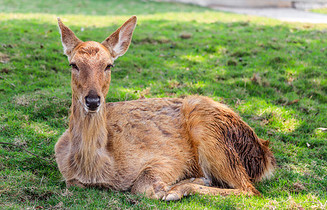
(74, 183)
(150, 184)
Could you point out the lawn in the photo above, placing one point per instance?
(272, 73)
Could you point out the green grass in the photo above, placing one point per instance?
(320, 10)
(272, 73)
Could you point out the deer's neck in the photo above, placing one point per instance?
(89, 136)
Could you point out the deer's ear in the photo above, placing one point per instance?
(119, 41)
(68, 38)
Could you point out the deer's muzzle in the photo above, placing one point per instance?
(92, 101)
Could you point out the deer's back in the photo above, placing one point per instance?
(150, 134)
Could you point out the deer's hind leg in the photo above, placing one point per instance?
(221, 164)
(216, 166)
(196, 186)
(210, 125)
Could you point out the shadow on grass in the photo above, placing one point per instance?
(232, 62)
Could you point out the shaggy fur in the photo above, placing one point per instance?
(165, 148)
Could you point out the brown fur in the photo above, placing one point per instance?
(152, 146)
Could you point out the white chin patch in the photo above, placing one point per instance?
(87, 110)
(93, 111)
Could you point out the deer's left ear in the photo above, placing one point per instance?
(119, 41)
(68, 39)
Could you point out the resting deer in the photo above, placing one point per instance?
(165, 148)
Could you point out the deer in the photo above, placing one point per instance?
(163, 148)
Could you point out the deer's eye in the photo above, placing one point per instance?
(74, 66)
(108, 68)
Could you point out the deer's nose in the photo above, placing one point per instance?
(92, 101)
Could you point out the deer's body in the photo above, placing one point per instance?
(160, 147)
(140, 135)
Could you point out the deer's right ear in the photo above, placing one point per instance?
(68, 38)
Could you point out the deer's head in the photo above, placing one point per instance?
(91, 63)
